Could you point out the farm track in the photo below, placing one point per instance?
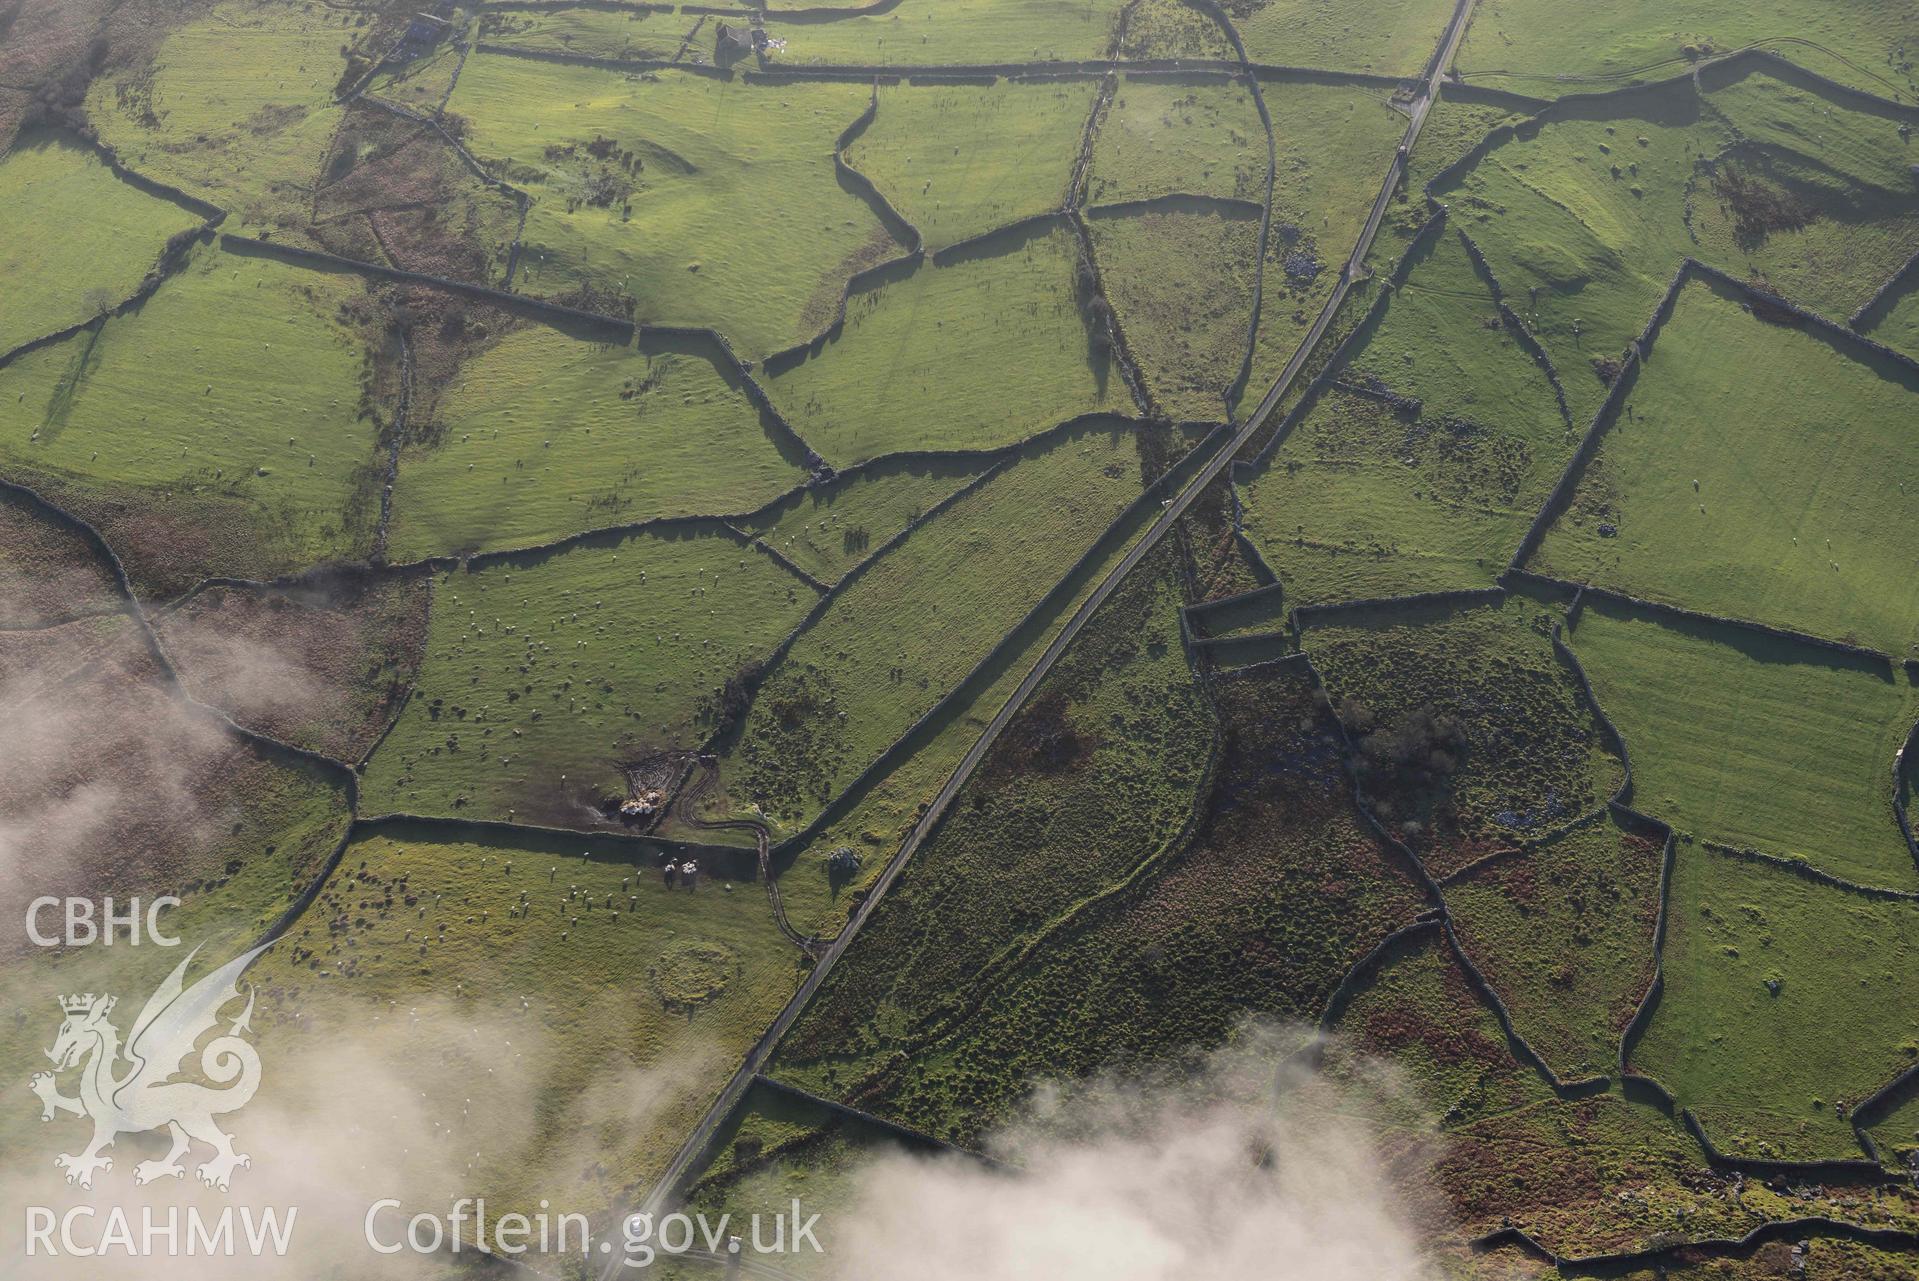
(686, 807)
(698, 1141)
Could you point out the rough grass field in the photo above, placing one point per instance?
(958, 161)
(184, 811)
(224, 427)
(1754, 741)
(1166, 137)
(966, 32)
(1585, 218)
(588, 1021)
(81, 239)
(636, 35)
(1091, 783)
(921, 617)
(830, 528)
(1564, 933)
(544, 678)
(1778, 496)
(1181, 286)
(324, 667)
(777, 1147)
(545, 434)
(1425, 475)
(237, 107)
(977, 352)
(1539, 47)
(1785, 1002)
(706, 202)
(1278, 893)
(48, 572)
(1418, 1013)
(1469, 733)
(1387, 37)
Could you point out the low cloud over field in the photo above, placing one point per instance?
(1209, 1175)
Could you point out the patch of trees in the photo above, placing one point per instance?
(1402, 766)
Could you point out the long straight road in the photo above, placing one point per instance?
(757, 1058)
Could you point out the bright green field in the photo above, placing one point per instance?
(830, 528)
(1781, 495)
(238, 109)
(233, 394)
(560, 1036)
(1181, 284)
(1751, 741)
(1389, 37)
(573, 665)
(1363, 501)
(638, 35)
(80, 239)
(926, 32)
(1584, 220)
(959, 160)
(1858, 42)
(1898, 324)
(1334, 144)
(1159, 138)
(912, 626)
(1763, 1071)
(545, 435)
(973, 354)
(734, 219)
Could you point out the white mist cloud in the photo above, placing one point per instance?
(1217, 1173)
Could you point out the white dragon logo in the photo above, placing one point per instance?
(144, 1096)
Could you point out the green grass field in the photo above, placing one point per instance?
(958, 161)
(933, 32)
(545, 435)
(1470, 732)
(1764, 1069)
(903, 636)
(715, 203)
(830, 528)
(1777, 496)
(582, 1050)
(1387, 37)
(1564, 934)
(1334, 143)
(977, 353)
(1162, 138)
(1366, 499)
(1747, 740)
(542, 680)
(222, 428)
(82, 241)
(237, 109)
(1585, 219)
(1538, 47)
(1181, 285)
(1898, 323)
